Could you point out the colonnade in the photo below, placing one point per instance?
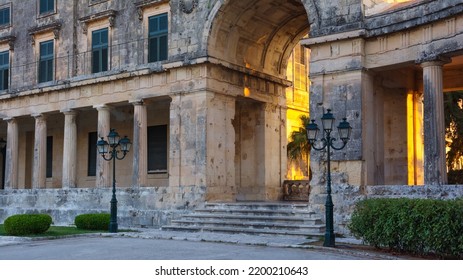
(69, 165)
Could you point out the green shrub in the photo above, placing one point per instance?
(27, 224)
(419, 226)
(97, 221)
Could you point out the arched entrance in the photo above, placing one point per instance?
(249, 44)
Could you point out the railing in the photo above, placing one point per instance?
(120, 56)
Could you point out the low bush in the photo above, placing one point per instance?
(418, 226)
(96, 221)
(27, 224)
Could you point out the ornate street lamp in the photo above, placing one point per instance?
(344, 131)
(117, 146)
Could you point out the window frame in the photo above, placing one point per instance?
(47, 12)
(47, 58)
(100, 50)
(2, 8)
(158, 35)
(5, 67)
(151, 153)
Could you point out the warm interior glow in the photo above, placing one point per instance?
(379, 6)
(297, 100)
(246, 92)
(415, 145)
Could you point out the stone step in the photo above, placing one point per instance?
(258, 212)
(257, 206)
(249, 224)
(244, 218)
(235, 230)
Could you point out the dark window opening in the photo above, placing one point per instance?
(157, 149)
(92, 154)
(49, 156)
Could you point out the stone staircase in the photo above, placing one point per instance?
(252, 218)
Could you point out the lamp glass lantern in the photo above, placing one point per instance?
(102, 146)
(312, 131)
(125, 144)
(113, 138)
(328, 121)
(344, 130)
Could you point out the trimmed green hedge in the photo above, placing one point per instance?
(97, 221)
(27, 224)
(419, 226)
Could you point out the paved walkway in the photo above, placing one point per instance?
(238, 239)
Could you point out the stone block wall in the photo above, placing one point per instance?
(137, 207)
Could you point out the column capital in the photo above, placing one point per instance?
(10, 119)
(434, 60)
(69, 112)
(102, 107)
(39, 116)
(137, 102)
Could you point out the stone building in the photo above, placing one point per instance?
(199, 87)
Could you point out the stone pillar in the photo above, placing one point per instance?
(103, 166)
(434, 125)
(69, 179)
(40, 152)
(12, 153)
(140, 145)
(220, 157)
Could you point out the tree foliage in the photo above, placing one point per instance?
(299, 145)
(453, 108)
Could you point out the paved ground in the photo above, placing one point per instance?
(152, 244)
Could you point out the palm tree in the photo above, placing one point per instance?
(299, 145)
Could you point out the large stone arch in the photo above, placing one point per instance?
(249, 44)
(258, 34)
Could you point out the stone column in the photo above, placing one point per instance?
(434, 126)
(40, 152)
(140, 145)
(12, 153)
(102, 166)
(69, 179)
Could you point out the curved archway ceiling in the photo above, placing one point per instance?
(258, 34)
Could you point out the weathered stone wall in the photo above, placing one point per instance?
(151, 206)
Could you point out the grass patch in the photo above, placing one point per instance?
(56, 231)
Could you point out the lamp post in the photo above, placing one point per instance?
(117, 145)
(344, 130)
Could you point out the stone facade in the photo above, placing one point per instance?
(220, 96)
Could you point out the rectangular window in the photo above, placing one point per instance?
(46, 62)
(91, 164)
(157, 38)
(49, 156)
(157, 149)
(47, 6)
(4, 69)
(5, 16)
(100, 50)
